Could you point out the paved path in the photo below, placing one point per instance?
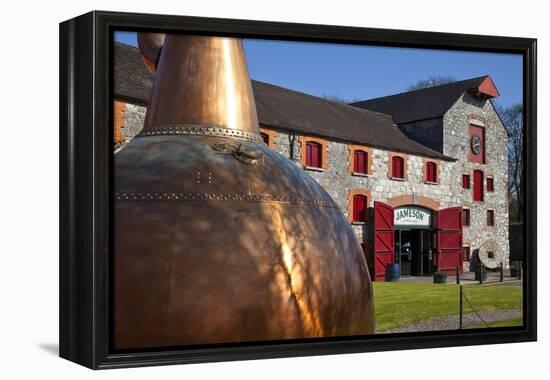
(468, 278)
(451, 322)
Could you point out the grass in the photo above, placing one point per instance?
(400, 304)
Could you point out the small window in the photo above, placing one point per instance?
(490, 184)
(491, 254)
(431, 172)
(313, 154)
(359, 208)
(478, 186)
(397, 167)
(265, 137)
(490, 217)
(465, 217)
(465, 181)
(360, 162)
(466, 254)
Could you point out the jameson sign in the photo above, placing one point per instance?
(411, 216)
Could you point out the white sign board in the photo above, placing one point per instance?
(411, 216)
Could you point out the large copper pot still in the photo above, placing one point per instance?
(218, 238)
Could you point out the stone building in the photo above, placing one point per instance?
(421, 176)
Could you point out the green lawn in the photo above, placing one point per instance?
(400, 304)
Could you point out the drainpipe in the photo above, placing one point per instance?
(291, 140)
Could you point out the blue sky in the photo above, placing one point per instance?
(364, 72)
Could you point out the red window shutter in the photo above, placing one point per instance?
(431, 172)
(478, 185)
(490, 184)
(317, 156)
(397, 167)
(314, 161)
(359, 208)
(360, 162)
(465, 181)
(313, 154)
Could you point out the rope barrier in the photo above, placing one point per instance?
(474, 310)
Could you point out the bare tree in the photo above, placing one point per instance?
(340, 99)
(432, 81)
(512, 118)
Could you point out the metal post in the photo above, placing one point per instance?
(458, 275)
(461, 309)
(480, 274)
(501, 272)
(520, 265)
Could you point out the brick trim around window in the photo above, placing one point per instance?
(119, 108)
(303, 140)
(418, 200)
(351, 194)
(351, 157)
(425, 169)
(405, 158)
(270, 137)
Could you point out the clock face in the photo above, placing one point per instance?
(475, 143)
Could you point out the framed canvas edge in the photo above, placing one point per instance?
(86, 180)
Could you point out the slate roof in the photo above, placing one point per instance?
(285, 109)
(132, 81)
(426, 103)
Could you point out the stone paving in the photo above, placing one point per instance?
(451, 322)
(468, 278)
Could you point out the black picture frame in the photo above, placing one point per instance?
(86, 158)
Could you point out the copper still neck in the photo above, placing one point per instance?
(202, 81)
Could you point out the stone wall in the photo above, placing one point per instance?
(456, 144)
(133, 117)
(338, 181)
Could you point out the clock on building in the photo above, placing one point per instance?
(475, 144)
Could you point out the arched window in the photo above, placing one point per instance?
(478, 185)
(397, 167)
(431, 172)
(313, 154)
(265, 137)
(359, 208)
(360, 162)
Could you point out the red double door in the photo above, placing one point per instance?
(448, 244)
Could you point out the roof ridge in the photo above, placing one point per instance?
(126, 45)
(420, 89)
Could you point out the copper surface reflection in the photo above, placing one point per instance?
(202, 81)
